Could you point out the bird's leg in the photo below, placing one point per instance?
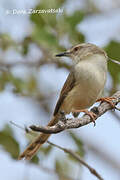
(108, 100)
(75, 114)
(89, 113)
(62, 116)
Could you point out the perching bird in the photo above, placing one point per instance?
(82, 88)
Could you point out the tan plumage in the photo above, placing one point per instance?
(35, 145)
(82, 88)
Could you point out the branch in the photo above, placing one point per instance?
(64, 123)
(77, 157)
(72, 153)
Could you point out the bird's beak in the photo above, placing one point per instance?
(63, 54)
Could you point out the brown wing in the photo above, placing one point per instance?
(69, 84)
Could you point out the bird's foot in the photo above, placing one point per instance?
(89, 113)
(62, 116)
(108, 100)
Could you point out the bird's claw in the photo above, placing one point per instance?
(91, 114)
(108, 100)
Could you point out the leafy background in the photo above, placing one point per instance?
(31, 78)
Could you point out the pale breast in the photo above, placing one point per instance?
(90, 81)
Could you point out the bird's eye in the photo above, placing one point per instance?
(76, 48)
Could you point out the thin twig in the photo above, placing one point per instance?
(46, 169)
(102, 154)
(90, 146)
(17, 125)
(80, 160)
(78, 122)
(73, 154)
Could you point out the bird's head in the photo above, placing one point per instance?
(78, 52)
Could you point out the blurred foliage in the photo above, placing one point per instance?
(62, 167)
(44, 153)
(6, 42)
(48, 34)
(8, 142)
(113, 51)
(50, 28)
(80, 146)
(46, 150)
(35, 160)
(20, 85)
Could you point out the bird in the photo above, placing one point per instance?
(83, 87)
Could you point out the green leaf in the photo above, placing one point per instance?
(8, 142)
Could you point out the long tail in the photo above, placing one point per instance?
(31, 150)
